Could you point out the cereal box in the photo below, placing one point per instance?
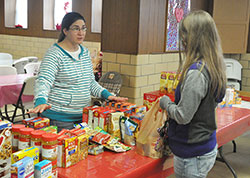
(32, 152)
(86, 112)
(23, 168)
(60, 150)
(83, 142)
(5, 148)
(104, 119)
(151, 97)
(69, 152)
(167, 82)
(43, 169)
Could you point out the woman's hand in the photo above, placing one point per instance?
(118, 99)
(40, 108)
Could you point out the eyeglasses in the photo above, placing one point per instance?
(77, 29)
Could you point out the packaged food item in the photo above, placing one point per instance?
(168, 82)
(67, 151)
(229, 97)
(100, 138)
(50, 129)
(39, 123)
(5, 148)
(139, 110)
(43, 169)
(163, 81)
(151, 97)
(95, 149)
(138, 116)
(127, 112)
(54, 173)
(222, 104)
(117, 147)
(86, 114)
(24, 138)
(63, 132)
(23, 168)
(26, 121)
(83, 142)
(49, 148)
(91, 120)
(81, 125)
(60, 149)
(238, 100)
(104, 118)
(113, 125)
(71, 152)
(122, 127)
(128, 105)
(15, 135)
(36, 139)
(79, 132)
(128, 128)
(32, 152)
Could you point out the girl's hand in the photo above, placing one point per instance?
(40, 108)
(118, 99)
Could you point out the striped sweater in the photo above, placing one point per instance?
(66, 83)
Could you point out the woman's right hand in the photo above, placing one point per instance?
(40, 108)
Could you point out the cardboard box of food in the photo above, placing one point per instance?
(5, 148)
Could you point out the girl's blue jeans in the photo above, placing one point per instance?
(196, 167)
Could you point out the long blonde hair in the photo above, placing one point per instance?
(200, 40)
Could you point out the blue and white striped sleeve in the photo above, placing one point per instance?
(46, 77)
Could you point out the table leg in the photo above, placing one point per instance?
(234, 145)
(1, 115)
(6, 112)
(222, 159)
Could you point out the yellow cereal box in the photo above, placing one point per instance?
(71, 155)
(32, 152)
(67, 151)
(168, 82)
(83, 142)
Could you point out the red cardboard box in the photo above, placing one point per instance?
(150, 98)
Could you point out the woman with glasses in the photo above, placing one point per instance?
(65, 81)
(192, 125)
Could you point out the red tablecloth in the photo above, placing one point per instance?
(232, 122)
(109, 164)
(10, 87)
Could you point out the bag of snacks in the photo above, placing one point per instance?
(148, 135)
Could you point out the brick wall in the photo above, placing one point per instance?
(21, 46)
(140, 73)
